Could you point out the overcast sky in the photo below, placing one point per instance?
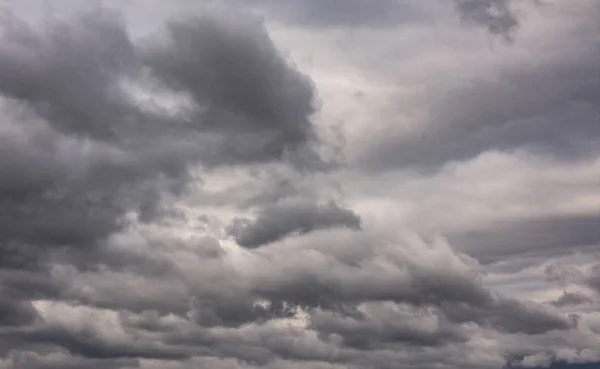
(299, 184)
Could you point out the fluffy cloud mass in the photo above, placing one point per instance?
(300, 184)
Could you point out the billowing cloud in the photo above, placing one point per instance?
(244, 93)
(79, 151)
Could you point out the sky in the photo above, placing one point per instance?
(300, 184)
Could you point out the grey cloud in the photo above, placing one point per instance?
(336, 288)
(593, 278)
(23, 284)
(509, 315)
(32, 360)
(276, 190)
(274, 222)
(541, 131)
(569, 274)
(519, 107)
(383, 328)
(209, 247)
(563, 273)
(78, 154)
(246, 95)
(542, 236)
(130, 292)
(496, 15)
(78, 158)
(233, 312)
(355, 13)
(345, 283)
(560, 364)
(571, 299)
(86, 342)
(69, 74)
(14, 312)
(261, 345)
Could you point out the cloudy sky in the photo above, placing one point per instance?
(299, 184)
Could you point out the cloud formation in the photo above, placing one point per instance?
(79, 153)
(276, 221)
(168, 198)
(496, 15)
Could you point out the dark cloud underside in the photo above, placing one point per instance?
(276, 221)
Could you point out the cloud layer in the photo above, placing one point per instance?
(300, 184)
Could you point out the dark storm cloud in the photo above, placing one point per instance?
(28, 283)
(276, 221)
(69, 74)
(245, 94)
(78, 153)
(15, 312)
